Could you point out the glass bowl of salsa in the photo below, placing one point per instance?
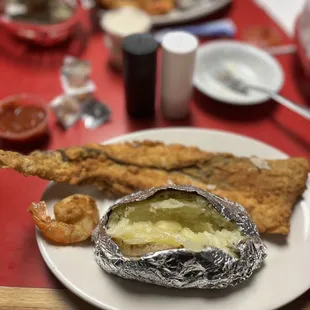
(23, 118)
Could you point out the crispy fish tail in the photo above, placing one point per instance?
(46, 165)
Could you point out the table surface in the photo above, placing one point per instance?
(284, 12)
(27, 283)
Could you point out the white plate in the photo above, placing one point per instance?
(199, 10)
(250, 64)
(285, 275)
(203, 8)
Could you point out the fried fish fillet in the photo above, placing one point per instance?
(267, 189)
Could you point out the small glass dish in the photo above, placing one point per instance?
(23, 118)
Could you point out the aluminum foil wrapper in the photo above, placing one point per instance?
(75, 77)
(211, 268)
(95, 113)
(67, 109)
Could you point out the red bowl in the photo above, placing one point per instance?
(45, 35)
(32, 134)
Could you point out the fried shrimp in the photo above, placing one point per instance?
(76, 217)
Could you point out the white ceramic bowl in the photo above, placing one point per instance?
(252, 65)
(120, 23)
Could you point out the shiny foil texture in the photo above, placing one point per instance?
(211, 268)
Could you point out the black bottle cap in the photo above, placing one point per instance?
(140, 61)
(140, 44)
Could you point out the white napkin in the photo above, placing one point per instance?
(284, 12)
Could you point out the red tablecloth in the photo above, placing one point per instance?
(20, 260)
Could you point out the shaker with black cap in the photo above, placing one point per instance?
(139, 63)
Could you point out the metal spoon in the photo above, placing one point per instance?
(231, 81)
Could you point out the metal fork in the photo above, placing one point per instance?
(231, 81)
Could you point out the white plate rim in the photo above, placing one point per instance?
(226, 43)
(132, 136)
(190, 14)
(186, 15)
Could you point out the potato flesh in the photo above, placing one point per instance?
(184, 220)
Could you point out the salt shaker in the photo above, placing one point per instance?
(139, 61)
(178, 63)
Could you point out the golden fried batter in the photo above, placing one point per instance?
(153, 7)
(115, 4)
(156, 7)
(268, 192)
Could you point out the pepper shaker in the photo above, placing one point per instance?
(178, 63)
(139, 63)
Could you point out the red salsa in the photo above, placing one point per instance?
(16, 119)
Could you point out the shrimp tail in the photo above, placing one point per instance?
(38, 211)
(64, 232)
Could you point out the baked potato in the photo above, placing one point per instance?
(179, 236)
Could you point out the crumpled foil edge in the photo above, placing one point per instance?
(181, 268)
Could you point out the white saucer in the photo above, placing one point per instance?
(250, 64)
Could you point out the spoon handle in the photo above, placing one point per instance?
(302, 111)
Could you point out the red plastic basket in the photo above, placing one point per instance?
(46, 35)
